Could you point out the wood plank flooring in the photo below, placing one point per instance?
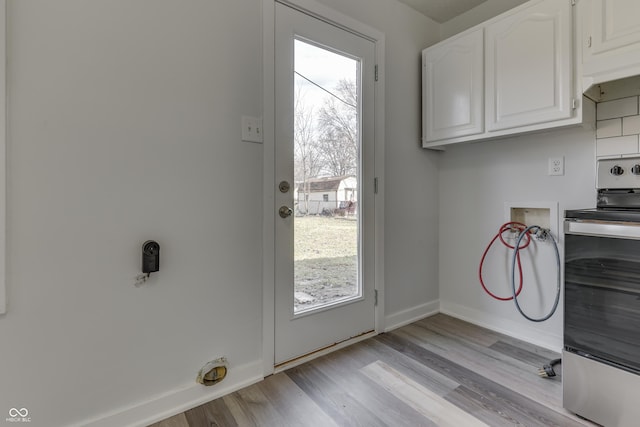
(439, 371)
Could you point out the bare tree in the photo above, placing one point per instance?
(338, 126)
(307, 157)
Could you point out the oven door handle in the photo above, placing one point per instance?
(603, 229)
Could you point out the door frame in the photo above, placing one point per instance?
(324, 13)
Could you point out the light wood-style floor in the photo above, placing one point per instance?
(439, 371)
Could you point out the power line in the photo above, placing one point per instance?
(328, 91)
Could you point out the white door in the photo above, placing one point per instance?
(529, 69)
(453, 82)
(324, 230)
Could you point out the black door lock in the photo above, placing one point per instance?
(150, 257)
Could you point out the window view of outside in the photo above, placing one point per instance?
(326, 141)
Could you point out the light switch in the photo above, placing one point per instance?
(251, 129)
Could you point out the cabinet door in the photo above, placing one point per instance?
(611, 36)
(529, 59)
(452, 99)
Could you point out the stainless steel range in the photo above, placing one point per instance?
(601, 357)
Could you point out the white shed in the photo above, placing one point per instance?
(329, 195)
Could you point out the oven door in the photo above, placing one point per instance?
(602, 292)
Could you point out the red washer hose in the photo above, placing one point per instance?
(509, 226)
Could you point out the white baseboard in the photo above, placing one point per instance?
(179, 400)
(410, 315)
(525, 333)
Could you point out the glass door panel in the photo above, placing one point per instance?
(326, 171)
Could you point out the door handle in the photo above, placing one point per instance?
(285, 211)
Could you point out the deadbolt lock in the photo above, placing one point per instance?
(284, 186)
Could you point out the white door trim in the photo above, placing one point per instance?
(324, 13)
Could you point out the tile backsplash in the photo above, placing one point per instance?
(618, 127)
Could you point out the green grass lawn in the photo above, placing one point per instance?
(326, 260)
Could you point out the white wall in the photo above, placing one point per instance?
(124, 125)
(475, 182)
(411, 212)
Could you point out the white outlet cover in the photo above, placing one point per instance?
(556, 166)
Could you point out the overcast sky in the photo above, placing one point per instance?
(323, 67)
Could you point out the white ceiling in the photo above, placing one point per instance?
(442, 10)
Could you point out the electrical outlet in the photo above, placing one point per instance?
(556, 166)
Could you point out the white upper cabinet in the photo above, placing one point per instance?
(512, 74)
(610, 39)
(452, 97)
(529, 66)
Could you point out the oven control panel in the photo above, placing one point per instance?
(618, 173)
